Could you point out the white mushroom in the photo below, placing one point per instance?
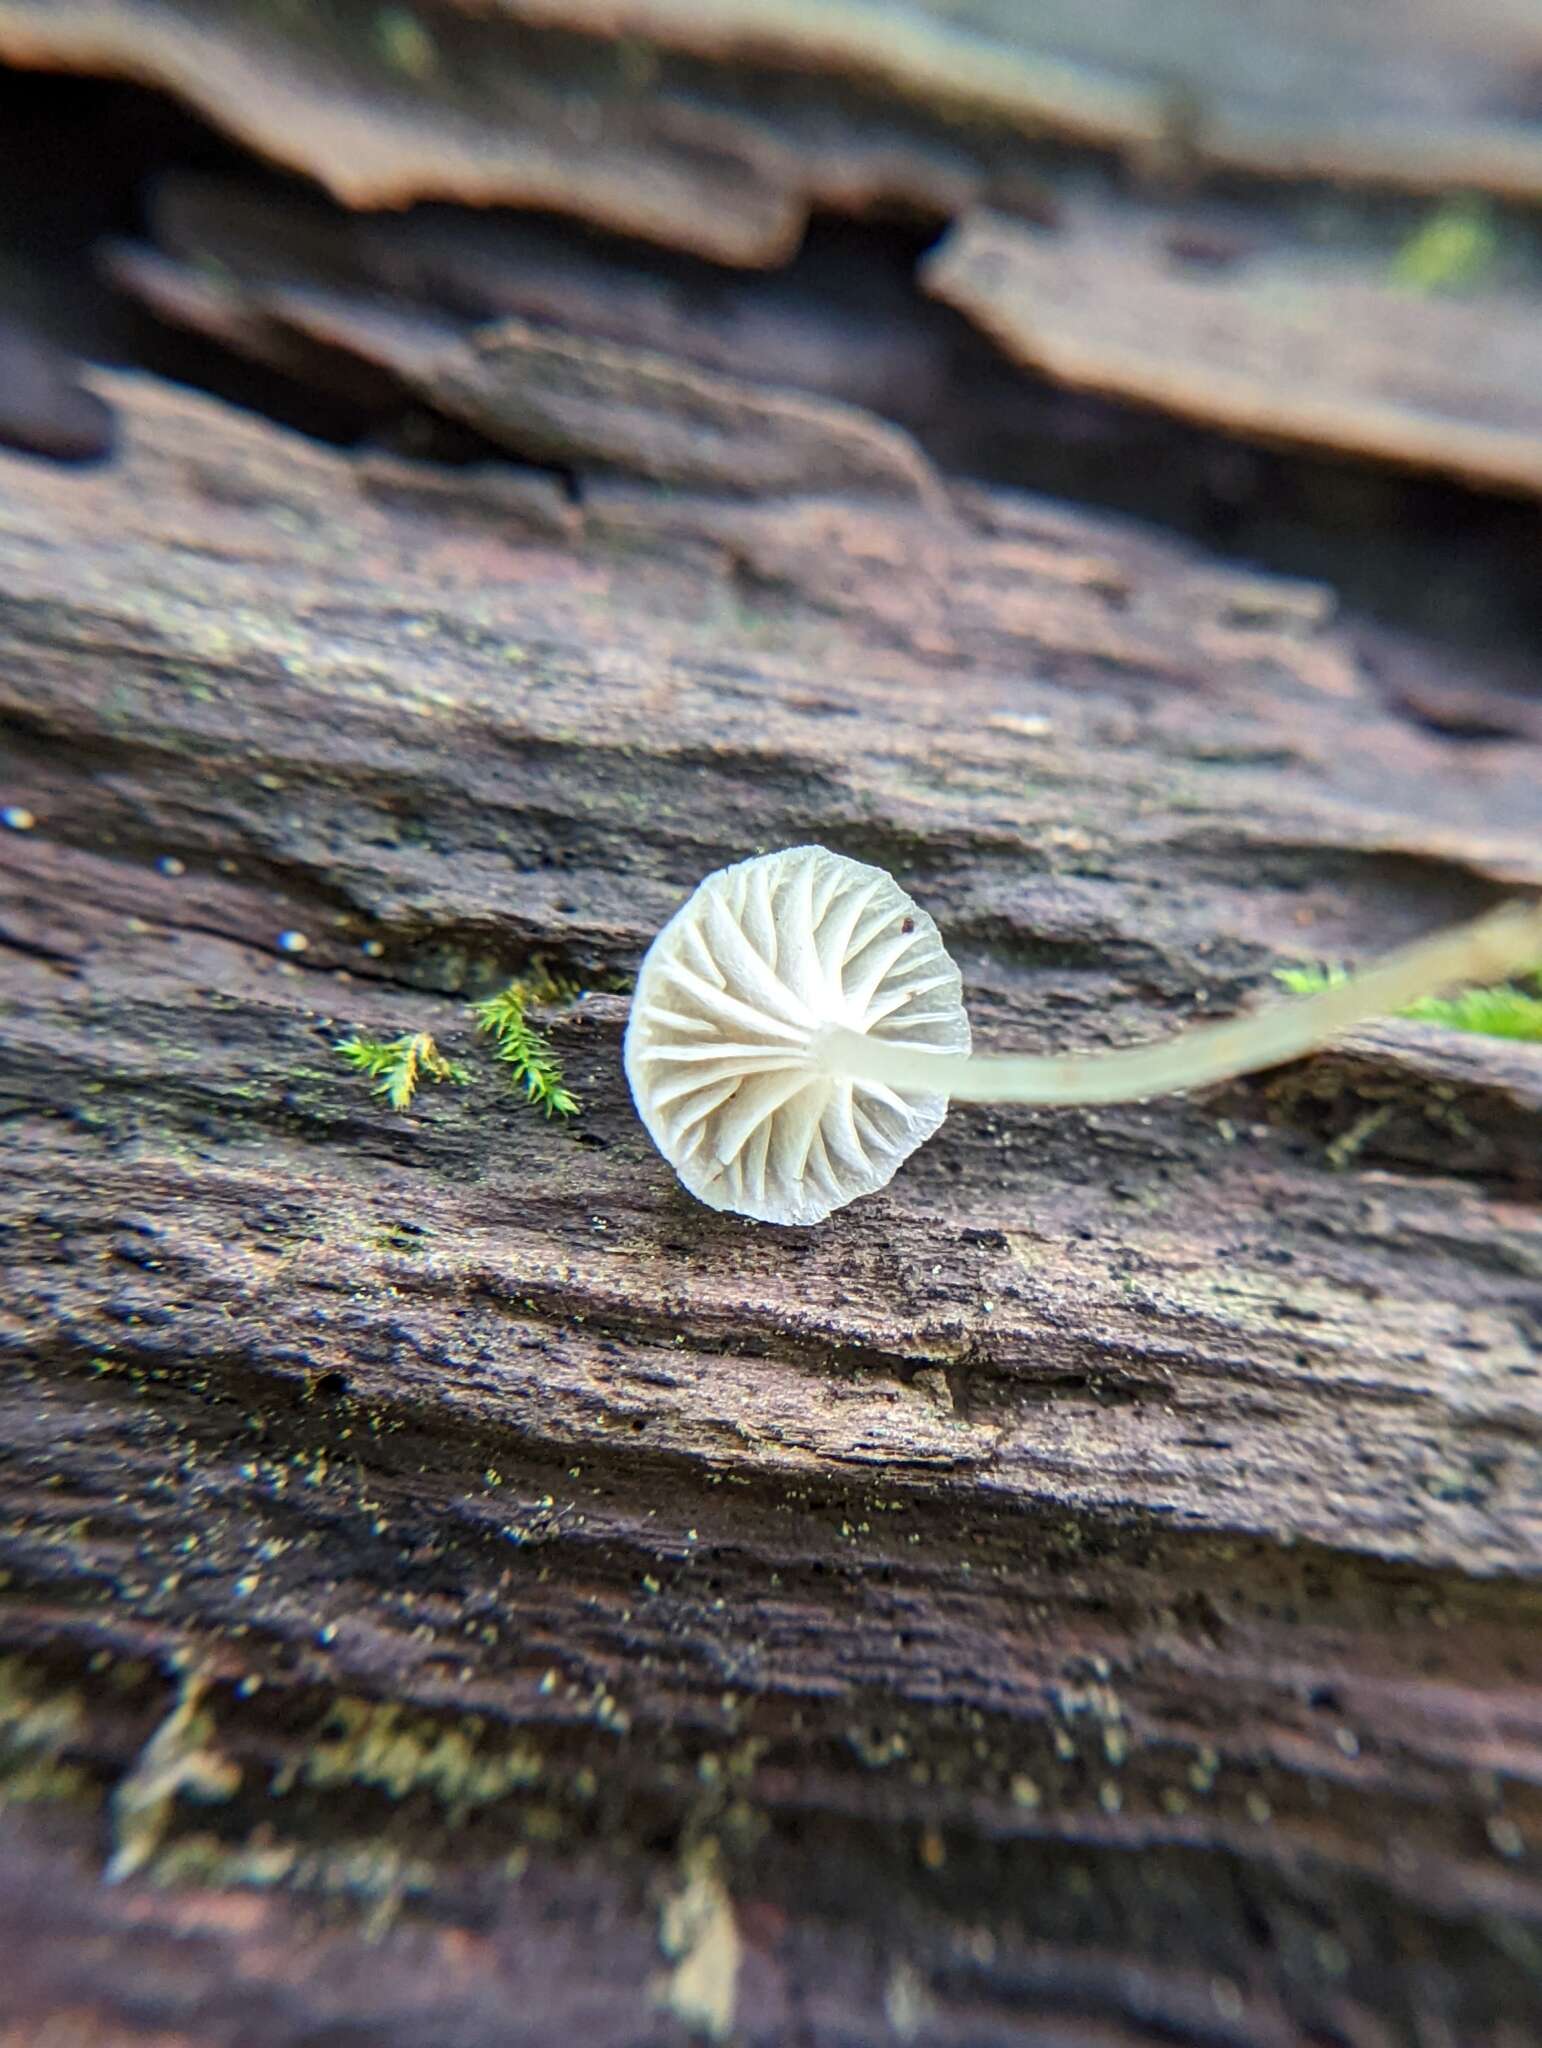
(798, 1030)
(735, 1006)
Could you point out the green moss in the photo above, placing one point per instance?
(1453, 249)
(699, 1932)
(520, 1046)
(397, 1065)
(179, 1761)
(36, 1725)
(1492, 1012)
(404, 43)
(1309, 981)
(35, 1780)
(1350, 1142)
(366, 1873)
(32, 1717)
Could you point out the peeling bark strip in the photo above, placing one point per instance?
(323, 94)
(583, 404)
(716, 126)
(460, 1589)
(1274, 348)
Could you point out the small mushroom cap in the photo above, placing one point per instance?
(724, 1047)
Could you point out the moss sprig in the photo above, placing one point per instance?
(397, 1065)
(1309, 981)
(1453, 249)
(522, 1048)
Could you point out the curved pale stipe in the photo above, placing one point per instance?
(799, 1029)
(1507, 941)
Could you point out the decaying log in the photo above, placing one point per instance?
(453, 1588)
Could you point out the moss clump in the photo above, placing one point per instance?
(31, 1717)
(368, 1874)
(1493, 1012)
(698, 1931)
(180, 1761)
(404, 43)
(398, 1065)
(1453, 249)
(36, 1725)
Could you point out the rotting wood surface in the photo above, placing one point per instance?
(453, 1588)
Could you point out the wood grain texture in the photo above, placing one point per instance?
(457, 1589)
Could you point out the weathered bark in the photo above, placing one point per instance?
(455, 1589)
(716, 125)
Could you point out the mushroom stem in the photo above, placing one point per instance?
(1508, 941)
